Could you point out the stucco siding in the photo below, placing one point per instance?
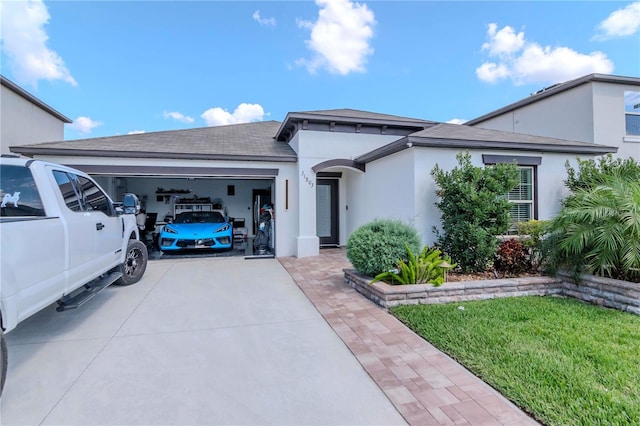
(24, 123)
(609, 126)
(569, 116)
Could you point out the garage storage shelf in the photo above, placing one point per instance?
(191, 207)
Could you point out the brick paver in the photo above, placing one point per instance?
(426, 386)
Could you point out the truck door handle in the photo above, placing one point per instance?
(99, 226)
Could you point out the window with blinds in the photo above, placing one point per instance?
(521, 198)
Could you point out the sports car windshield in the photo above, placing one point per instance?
(199, 217)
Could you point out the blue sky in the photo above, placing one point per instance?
(117, 67)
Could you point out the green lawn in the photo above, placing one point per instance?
(563, 361)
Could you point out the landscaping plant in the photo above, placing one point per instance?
(512, 258)
(532, 234)
(376, 246)
(428, 267)
(598, 231)
(474, 210)
(598, 228)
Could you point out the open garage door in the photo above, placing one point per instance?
(167, 192)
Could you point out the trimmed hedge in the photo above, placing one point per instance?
(377, 246)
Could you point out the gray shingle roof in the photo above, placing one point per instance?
(444, 135)
(248, 141)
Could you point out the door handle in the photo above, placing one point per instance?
(99, 226)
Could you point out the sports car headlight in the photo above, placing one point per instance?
(169, 230)
(224, 228)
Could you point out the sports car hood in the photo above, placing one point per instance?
(196, 228)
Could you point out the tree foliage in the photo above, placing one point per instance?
(474, 209)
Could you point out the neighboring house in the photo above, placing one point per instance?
(24, 119)
(596, 108)
(325, 172)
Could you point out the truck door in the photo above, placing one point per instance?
(81, 230)
(108, 225)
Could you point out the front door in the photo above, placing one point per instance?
(327, 211)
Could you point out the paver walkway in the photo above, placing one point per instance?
(425, 385)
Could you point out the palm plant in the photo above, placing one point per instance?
(598, 230)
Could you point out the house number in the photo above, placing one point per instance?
(307, 179)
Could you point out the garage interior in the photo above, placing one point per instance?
(163, 197)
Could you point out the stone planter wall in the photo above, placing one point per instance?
(388, 296)
(608, 292)
(616, 294)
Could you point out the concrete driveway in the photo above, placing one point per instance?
(197, 341)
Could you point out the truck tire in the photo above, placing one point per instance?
(3, 361)
(135, 263)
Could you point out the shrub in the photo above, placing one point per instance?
(474, 210)
(532, 234)
(376, 246)
(591, 174)
(512, 258)
(598, 231)
(428, 267)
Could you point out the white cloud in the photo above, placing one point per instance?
(525, 62)
(24, 41)
(340, 37)
(244, 113)
(268, 22)
(84, 124)
(621, 23)
(457, 121)
(136, 132)
(178, 117)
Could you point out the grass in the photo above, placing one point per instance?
(563, 361)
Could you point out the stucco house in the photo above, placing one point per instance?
(596, 108)
(26, 119)
(325, 172)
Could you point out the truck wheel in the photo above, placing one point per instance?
(3, 361)
(135, 263)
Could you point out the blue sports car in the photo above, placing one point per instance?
(197, 230)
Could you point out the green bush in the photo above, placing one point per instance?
(532, 234)
(598, 231)
(598, 228)
(474, 210)
(428, 267)
(376, 246)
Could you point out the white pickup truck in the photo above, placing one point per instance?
(61, 239)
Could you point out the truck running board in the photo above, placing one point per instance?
(74, 300)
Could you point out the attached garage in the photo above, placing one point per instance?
(237, 169)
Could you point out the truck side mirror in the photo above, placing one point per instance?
(131, 204)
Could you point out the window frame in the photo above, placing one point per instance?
(628, 105)
(522, 162)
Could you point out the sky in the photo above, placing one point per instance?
(124, 67)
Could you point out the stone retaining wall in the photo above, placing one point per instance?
(602, 291)
(622, 295)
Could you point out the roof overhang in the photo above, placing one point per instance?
(295, 121)
(554, 90)
(32, 150)
(414, 141)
